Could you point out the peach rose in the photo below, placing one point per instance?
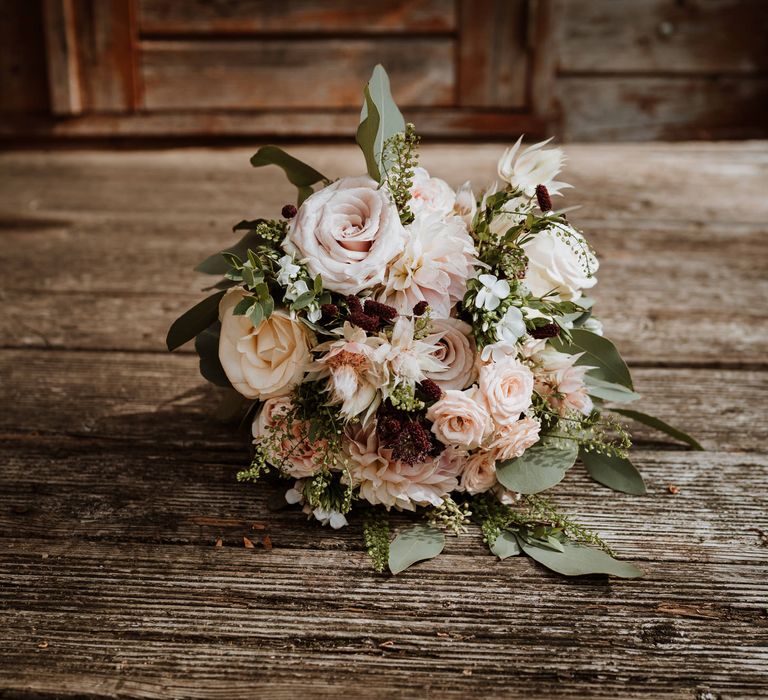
(479, 473)
(507, 386)
(261, 362)
(456, 350)
(510, 441)
(347, 233)
(293, 453)
(458, 419)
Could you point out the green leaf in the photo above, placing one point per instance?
(540, 467)
(303, 301)
(415, 544)
(506, 545)
(256, 314)
(217, 263)
(578, 560)
(660, 425)
(380, 119)
(207, 348)
(599, 352)
(243, 306)
(268, 306)
(608, 391)
(298, 173)
(614, 472)
(318, 284)
(193, 321)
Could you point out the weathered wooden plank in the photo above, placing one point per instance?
(670, 108)
(107, 490)
(167, 17)
(275, 73)
(661, 36)
(23, 84)
(117, 394)
(64, 80)
(492, 54)
(208, 622)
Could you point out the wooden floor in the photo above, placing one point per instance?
(115, 483)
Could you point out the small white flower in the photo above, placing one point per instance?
(593, 325)
(533, 166)
(295, 290)
(294, 494)
(288, 270)
(330, 517)
(498, 351)
(511, 326)
(313, 313)
(493, 292)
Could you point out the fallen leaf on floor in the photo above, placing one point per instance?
(466, 672)
(386, 645)
(267, 542)
(42, 645)
(248, 544)
(673, 489)
(219, 543)
(258, 526)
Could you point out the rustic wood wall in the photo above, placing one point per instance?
(582, 69)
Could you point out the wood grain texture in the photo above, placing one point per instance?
(116, 482)
(273, 73)
(167, 17)
(662, 36)
(64, 80)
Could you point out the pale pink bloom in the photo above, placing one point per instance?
(293, 453)
(354, 376)
(456, 350)
(479, 473)
(507, 387)
(394, 484)
(434, 266)
(459, 419)
(347, 232)
(466, 203)
(510, 441)
(561, 381)
(430, 194)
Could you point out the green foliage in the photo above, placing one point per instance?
(207, 348)
(614, 471)
(659, 425)
(401, 150)
(609, 391)
(380, 119)
(376, 537)
(540, 467)
(298, 173)
(450, 515)
(414, 544)
(571, 559)
(598, 352)
(194, 321)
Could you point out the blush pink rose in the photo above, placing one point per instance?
(479, 473)
(510, 441)
(507, 387)
(458, 419)
(456, 350)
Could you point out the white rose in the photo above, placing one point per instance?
(265, 361)
(560, 259)
(457, 419)
(347, 233)
(456, 350)
(507, 386)
(430, 194)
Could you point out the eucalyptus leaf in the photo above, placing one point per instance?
(609, 391)
(256, 314)
(243, 306)
(660, 425)
(380, 119)
(193, 321)
(303, 301)
(207, 348)
(540, 467)
(297, 172)
(415, 544)
(578, 560)
(614, 472)
(598, 352)
(506, 545)
(268, 306)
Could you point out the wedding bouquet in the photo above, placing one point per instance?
(407, 347)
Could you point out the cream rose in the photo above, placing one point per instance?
(265, 361)
(456, 350)
(293, 453)
(347, 233)
(507, 387)
(560, 259)
(458, 419)
(479, 473)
